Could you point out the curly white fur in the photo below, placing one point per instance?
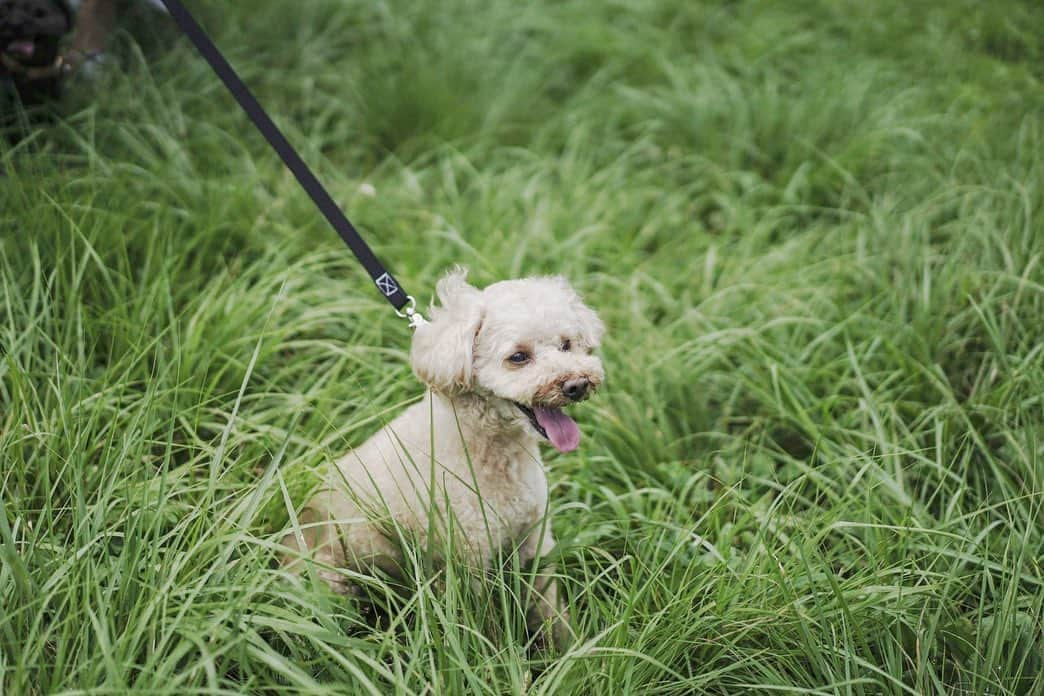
(467, 456)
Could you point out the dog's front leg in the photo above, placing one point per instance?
(318, 540)
(545, 613)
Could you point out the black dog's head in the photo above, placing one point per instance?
(30, 31)
(30, 34)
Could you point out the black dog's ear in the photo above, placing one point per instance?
(444, 348)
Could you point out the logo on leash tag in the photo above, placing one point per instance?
(386, 284)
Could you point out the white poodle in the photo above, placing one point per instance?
(501, 363)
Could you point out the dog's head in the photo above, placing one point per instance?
(30, 31)
(525, 345)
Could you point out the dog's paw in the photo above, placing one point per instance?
(339, 583)
(561, 634)
(551, 633)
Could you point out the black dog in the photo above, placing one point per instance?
(30, 34)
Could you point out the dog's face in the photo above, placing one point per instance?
(30, 30)
(524, 345)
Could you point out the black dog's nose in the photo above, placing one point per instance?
(576, 389)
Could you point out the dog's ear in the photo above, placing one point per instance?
(591, 327)
(444, 348)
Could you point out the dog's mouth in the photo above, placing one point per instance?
(29, 52)
(554, 425)
(21, 50)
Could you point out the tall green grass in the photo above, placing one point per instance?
(814, 230)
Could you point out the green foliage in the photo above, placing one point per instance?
(814, 230)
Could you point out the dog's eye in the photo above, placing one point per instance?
(519, 357)
(566, 345)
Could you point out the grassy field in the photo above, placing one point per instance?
(814, 229)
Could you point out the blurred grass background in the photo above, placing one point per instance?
(814, 230)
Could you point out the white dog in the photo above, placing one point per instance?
(500, 363)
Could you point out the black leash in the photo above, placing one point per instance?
(385, 282)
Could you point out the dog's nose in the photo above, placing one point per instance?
(576, 389)
(12, 21)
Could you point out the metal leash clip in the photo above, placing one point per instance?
(410, 312)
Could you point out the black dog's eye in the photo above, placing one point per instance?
(519, 358)
(566, 345)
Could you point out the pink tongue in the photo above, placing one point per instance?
(561, 430)
(25, 49)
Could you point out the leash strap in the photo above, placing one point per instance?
(385, 282)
